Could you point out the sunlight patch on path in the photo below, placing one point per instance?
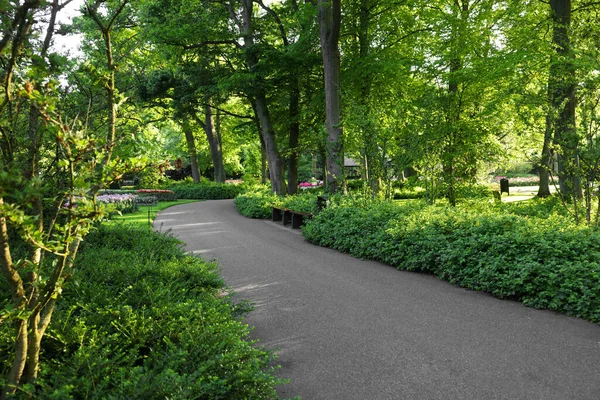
(172, 213)
(188, 225)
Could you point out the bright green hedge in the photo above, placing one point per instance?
(259, 202)
(525, 253)
(206, 190)
(142, 320)
(256, 203)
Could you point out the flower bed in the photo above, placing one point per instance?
(158, 194)
(310, 185)
(124, 203)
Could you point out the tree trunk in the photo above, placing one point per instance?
(220, 142)
(260, 106)
(546, 161)
(263, 149)
(263, 161)
(562, 86)
(294, 137)
(215, 145)
(329, 32)
(454, 107)
(191, 145)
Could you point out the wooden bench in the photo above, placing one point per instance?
(287, 217)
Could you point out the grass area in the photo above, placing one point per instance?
(146, 214)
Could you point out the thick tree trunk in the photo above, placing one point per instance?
(192, 153)
(276, 166)
(259, 100)
(263, 161)
(329, 32)
(562, 85)
(215, 144)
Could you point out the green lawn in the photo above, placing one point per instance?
(146, 214)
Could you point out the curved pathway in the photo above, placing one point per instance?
(351, 329)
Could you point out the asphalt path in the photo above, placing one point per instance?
(345, 328)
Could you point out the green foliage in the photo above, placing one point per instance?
(140, 319)
(302, 202)
(526, 252)
(206, 190)
(258, 203)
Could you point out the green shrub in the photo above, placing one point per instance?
(142, 320)
(545, 262)
(207, 191)
(301, 202)
(257, 203)
(409, 193)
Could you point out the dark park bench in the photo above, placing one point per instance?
(295, 219)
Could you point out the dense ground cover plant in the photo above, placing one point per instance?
(259, 202)
(256, 203)
(207, 190)
(527, 252)
(141, 319)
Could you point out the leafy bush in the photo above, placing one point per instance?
(301, 202)
(142, 320)
(545, 262)
(409, 193)
(258, 203)
(207, 191)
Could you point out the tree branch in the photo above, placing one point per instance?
(277, 20)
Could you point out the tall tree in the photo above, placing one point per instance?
(561, 88)
(330, 20)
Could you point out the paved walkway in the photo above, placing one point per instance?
(352, 329)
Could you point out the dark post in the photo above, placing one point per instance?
(504, 186)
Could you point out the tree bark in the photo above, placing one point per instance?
(193, 154)
(546, 161)
(215, 144)
(329, 32)
(454, 107)
(562, 86)
(259, 100)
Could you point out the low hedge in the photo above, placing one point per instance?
(142, 320)
(259, 202)
(256, 203)
(207, 190)
(522, 252)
